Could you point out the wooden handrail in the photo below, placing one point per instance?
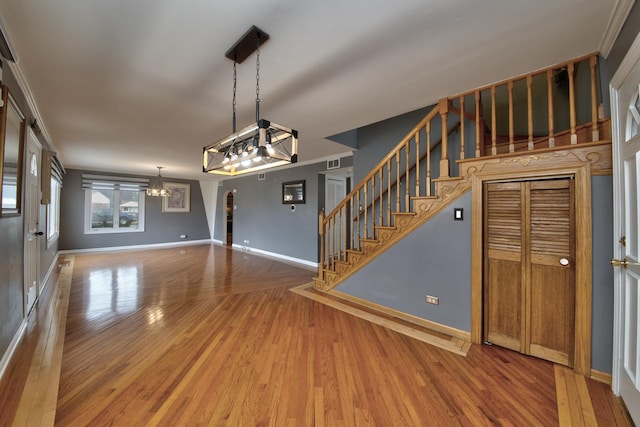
(557, 66)
(426, 155)
(387, 158)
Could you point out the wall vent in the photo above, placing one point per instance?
(261, 176)
(333, 164)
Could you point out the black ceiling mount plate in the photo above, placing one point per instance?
(247, 44)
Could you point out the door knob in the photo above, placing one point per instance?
(38, 233)
(564, 261)
(623, 263)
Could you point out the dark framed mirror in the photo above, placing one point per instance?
(293, 192)
(11, 151)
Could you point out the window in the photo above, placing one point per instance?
(53, 212)
(113, 204)
(52, 171)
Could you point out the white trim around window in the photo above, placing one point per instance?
(53, 213)
(104, 213)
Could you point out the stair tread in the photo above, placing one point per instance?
(355, 251)
(424, 197)
(449, 178)
(369, 240)
(404, 213)
(385, 227)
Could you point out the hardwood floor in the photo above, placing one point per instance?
(205, 335)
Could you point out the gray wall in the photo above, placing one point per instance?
(159, 227)
(267, 224)
(626, 37)
(11, 274)
(435, 259)
(11, 245)
(376, 140)
(602, 273)
(609, 66)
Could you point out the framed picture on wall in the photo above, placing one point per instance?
(180, 199)
(293, 192)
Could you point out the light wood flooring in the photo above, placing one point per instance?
(205, 335)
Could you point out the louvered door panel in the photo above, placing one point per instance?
(552, 271)
(503, 290)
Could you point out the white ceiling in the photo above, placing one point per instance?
(128, 85)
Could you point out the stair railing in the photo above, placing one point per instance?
(544, 109)
(385, 192)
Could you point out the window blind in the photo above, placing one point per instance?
(112, 182)
(51, 168)
(57, 170)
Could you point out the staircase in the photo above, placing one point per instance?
(552, 109)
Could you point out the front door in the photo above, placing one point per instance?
(32, 230)
(625, 102)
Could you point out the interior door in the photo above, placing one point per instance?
(551, 329)
(626, 148)
(529, 282)
(32, 231)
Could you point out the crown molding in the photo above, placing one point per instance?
(616, 22)
(21, 79)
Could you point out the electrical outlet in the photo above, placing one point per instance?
(430, 299)
(183, 236)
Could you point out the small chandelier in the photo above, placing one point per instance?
(259, 146)
(157, 188)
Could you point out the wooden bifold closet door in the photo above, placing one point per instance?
(529, 290)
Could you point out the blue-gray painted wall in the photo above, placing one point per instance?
(159, 227)
(265, 222)
(435, 259)
(602, 273)
(376, 140)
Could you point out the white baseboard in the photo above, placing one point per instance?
(299, 261)
(13, 345)
(137, 247)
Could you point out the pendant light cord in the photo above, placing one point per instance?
(258, 78)
(235, 81)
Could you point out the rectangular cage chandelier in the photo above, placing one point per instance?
(259, 146)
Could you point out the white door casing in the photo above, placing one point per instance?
(625, 109)
(31, 218)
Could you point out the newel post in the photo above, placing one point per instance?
(321, 234)
(444, 162)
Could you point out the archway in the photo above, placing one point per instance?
(229, 219)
